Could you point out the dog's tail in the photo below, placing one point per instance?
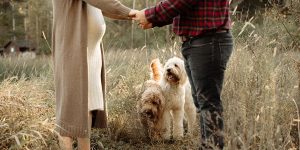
(156, 69)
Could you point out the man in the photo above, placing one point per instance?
(207, 45)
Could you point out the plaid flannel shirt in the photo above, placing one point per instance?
(190, 17)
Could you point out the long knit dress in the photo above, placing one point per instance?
(79, 72)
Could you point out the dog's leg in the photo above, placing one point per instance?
(166, 125)
(190, 113)
(178, 123)
(190, 110)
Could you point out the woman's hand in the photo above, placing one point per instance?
(140, 16)
(132, 13)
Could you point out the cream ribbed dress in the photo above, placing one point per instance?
(96, 30)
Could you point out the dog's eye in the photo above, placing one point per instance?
(176, 65)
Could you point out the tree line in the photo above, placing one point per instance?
(31, 20)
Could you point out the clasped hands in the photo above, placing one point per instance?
(141, 18)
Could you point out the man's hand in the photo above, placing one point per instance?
(141, 18)
(146, 26)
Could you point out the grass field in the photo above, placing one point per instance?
(260, 97)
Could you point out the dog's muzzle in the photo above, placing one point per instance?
(149, 114)
(171, 76)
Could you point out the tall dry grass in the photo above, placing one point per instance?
(260, 97)
(26, 104)
(22, 67)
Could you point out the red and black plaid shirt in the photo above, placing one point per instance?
(190, 17)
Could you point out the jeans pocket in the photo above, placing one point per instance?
(225, 53)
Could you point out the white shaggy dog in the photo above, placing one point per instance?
(178, 98)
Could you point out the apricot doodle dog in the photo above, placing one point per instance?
(173, 100)
(151, 105)
(150, 108)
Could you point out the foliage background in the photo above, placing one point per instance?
(261, 91)
(32, 17)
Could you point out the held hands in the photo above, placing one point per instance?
(141, 18)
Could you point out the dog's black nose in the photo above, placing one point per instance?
(168, 70)
(148, 113)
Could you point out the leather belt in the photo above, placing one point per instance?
(205, 33)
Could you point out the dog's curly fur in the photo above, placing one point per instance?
(150, 108)
(166, 96)
(179, 103)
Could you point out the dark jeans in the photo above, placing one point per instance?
(205, 61)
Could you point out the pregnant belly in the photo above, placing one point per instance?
(96, 25)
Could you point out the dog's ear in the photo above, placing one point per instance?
(183, 78)
(183, 72)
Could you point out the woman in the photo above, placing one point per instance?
(78, 28)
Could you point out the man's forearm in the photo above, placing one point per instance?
(166, 10)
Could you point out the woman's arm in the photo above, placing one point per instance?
(112, 16)
(111, 8)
